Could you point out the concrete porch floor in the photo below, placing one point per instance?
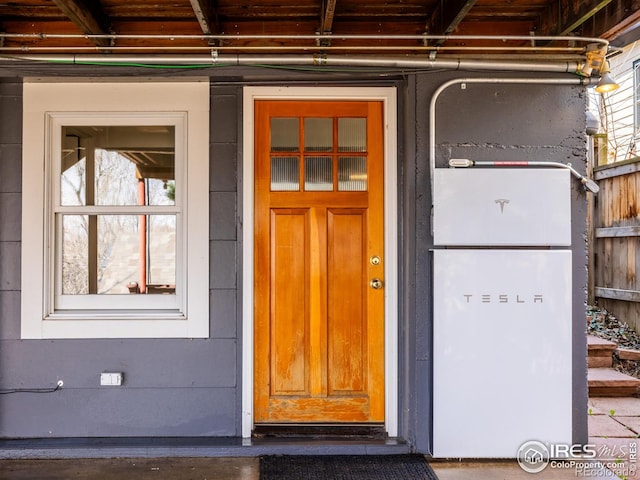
(614, 426)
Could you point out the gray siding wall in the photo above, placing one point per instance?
(192, 387)
(173, 387)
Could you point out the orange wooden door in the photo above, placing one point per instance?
(319, 227)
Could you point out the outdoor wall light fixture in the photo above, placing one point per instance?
(596, 62)
(464, 163)
(606, 83)
(595, 58)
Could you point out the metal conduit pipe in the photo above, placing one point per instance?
(455, 81)
(465, 163)
(555, 66)
(455, 64)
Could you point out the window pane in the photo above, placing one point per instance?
(118, 254)
(105, 165)
(285, 174)
(352, 134)
(285, 135)
(73, 172)
(75, 254)
(161, 261)
(352, 174)
(318, 174)
(318, 134)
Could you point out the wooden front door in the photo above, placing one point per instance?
(319, 267)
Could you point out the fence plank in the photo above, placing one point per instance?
(616, 170)
(610, 232)
(618, 294)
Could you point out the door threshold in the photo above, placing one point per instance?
(321, 431)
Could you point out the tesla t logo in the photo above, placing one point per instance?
(502, 202)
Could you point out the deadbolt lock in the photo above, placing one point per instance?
(376, 283)
(375, 260)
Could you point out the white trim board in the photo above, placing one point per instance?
(388, 96)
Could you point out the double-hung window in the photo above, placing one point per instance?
(115, 210)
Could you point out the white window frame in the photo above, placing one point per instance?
(48, 107)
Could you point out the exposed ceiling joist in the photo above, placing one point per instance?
(615, 19)
(604, 18)
(446, 17)
(205, 12)
(576, 19)
(328, 13)
(88, 17)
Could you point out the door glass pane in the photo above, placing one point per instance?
(318, 134)
(104, 165)
(285, 174)
(112, 254)
(352, 134)
(284, 135)
(352, 174)
(318, 174)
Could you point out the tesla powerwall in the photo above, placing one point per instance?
(502, 351)
(502, 206)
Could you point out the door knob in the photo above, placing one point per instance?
(376, 283)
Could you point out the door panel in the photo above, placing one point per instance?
(347, 289)
(319, 326)
(289, 329)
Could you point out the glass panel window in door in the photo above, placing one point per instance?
(318, 134)
(352, 174)
(318, 174)
(285, 135)
(285, 174)
(352, 134)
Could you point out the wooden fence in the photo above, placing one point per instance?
(615, 241)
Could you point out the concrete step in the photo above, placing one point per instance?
(600, 352)
(607, 382)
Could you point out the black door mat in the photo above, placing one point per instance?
(345, 467)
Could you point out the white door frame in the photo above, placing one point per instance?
(388, 96)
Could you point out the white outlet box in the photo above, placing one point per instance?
(111, 378)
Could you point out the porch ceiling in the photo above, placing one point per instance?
(443, 28)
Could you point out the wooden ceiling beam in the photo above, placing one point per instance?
(565, 17)
(328, 13)
(446, 17)
(578, 18)
(88, 16)
(613, 20)
(205, 12)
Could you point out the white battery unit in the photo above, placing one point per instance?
(502, 206)
(502, 351)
